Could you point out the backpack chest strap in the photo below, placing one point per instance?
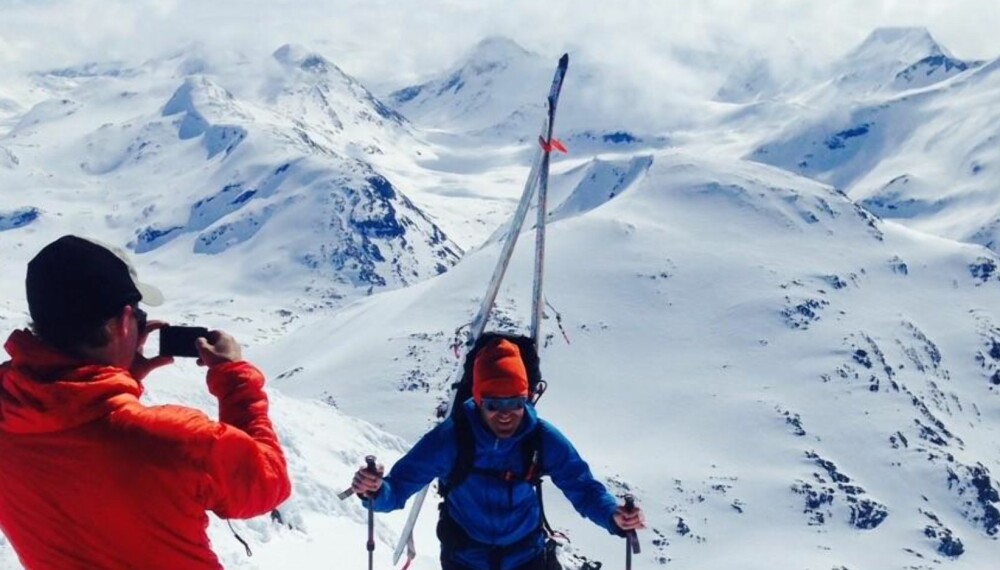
(532, 476)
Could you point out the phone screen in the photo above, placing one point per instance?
(180, 341)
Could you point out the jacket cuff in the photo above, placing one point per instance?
(613, 527)
(226, 378)
(376, 501)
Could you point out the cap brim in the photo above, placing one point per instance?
(150, 295)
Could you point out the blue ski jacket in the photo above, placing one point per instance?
(491, 511)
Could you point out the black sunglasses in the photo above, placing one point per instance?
(504, 404)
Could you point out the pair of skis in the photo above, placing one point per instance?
(538, 178)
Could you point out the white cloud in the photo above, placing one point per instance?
(653, 51)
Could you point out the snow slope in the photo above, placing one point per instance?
(717, 289)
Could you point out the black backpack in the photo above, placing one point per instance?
(529, 355)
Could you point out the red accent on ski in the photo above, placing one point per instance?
(554, 144)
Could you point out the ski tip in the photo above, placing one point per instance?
(564, 60)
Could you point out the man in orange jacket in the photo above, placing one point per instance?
(90, 478)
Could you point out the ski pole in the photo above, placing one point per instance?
(631, 537)
(371, 468)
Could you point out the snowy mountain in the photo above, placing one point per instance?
(496, 82)
(784, 376)
(897, 59)
(920, 156)
(888, 61)
(170, 158)
(492, 94)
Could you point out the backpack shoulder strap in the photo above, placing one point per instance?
(532, 449)
(465, 446)
(531, 455)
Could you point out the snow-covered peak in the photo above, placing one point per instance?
(194, 92)
(493, 82)
(299, 56)
(494, 50)
(903, 43)
(313, 90)
(894, 59)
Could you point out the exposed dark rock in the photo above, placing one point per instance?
(983, 270)
(865, 514)
(817, 501)
(800, 315)
(975, 487)
(898, 266)
(682, 528)
(946, 542)
(18, 218)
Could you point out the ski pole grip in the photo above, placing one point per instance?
(629, 503)
(370, 464)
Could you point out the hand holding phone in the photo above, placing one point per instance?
(218, 348)
(181, 341)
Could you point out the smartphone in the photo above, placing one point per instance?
(180, 341)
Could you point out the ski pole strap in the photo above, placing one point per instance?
(633, 542)
(239, 538)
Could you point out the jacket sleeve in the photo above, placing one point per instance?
(432, 456)
(572, 475)
(246, 465)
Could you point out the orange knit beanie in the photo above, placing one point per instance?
(499, 372)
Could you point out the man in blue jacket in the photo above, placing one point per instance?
(491, 516)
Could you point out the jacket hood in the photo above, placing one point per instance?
(43, 390)
(484, 435)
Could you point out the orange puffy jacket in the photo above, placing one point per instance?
(91, 478)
